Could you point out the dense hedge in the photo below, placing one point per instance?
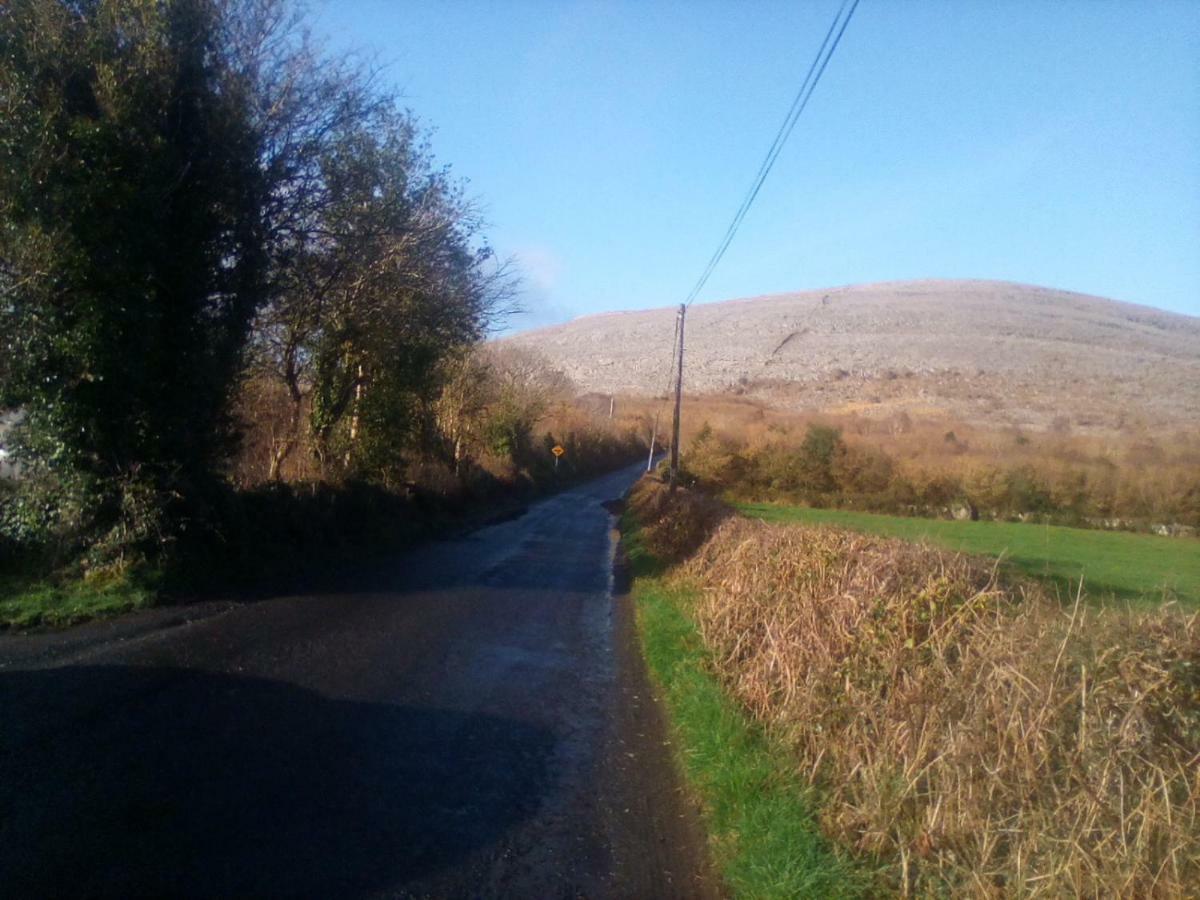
(823, 470)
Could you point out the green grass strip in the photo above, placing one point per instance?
(27, 603)
(1143, 568)
(760, 815)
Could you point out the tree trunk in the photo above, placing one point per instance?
(284, 448)
(359, 386)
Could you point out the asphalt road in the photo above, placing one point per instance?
(474, 722)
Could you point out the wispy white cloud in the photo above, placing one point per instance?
(541, 272)
(540, 267)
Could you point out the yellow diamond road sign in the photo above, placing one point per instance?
(558, 450)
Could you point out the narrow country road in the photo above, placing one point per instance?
(477, 723)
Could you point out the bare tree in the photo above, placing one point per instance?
(378, 272)
(526, 388)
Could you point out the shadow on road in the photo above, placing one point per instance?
(191, 784)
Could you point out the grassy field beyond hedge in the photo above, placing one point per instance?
(1138, 567)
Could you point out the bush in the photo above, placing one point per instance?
(674, 523)
(967, 731)
(282, 528)
(864, 470)
(815, 459)
(1026, 493)
(45, 516)
(712, 461)
(8, 548)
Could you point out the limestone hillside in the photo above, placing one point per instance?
(979, 350)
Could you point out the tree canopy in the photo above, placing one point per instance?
(188, 188)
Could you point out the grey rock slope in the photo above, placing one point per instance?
(965, 347)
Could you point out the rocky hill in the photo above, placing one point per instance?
(980, 350)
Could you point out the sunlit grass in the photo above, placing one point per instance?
(28, 602)
(760, 814)
(1137, 567)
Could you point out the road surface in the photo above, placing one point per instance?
(475, 723)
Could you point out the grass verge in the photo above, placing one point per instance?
(760, 814)
(1137, 567)
(29, 603)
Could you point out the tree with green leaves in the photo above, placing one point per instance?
(131, 247)
(815, 459)
(183, 181)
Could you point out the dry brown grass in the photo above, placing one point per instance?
(974, 733)
(1138, 475)
(917, 438)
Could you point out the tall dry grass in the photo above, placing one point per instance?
(973, 732)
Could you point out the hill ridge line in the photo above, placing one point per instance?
(980, 349)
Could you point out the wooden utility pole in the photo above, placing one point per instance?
(678, 403)
(653, 438)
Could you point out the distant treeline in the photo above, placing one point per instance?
(230, 260)
(819, 467)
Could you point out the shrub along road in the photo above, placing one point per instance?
(472, 719)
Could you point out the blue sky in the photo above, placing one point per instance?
(1055, 143)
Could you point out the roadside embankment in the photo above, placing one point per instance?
(270, 539)
(956, 731)
(764, 837)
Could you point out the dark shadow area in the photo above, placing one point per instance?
(622, 574)
(564, 552)
(122, 781)
(295, 538)
(662, 527)
(279, 540)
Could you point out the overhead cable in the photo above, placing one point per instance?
(811, 79)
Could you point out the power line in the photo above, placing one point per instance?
(811, 79)
(768, 160)
(824, 53)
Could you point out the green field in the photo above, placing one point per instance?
(1139, 567)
